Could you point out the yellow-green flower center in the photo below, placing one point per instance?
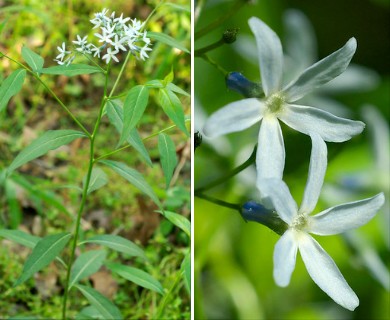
(275, 102)
(300, 222)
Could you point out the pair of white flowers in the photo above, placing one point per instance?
(279, 103)
(116, 35)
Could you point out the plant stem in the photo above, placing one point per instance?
(200, 52)
(218, 202)
(213, 63)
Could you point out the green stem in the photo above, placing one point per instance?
(213, 63)
(200, 52)
(246, 164)
(235, 7)
(162, 305)
(234, 206)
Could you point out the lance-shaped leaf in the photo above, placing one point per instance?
(85, 265)
(133, 109)
(14, 206)
(50, 140)
(89, 313)
(164, 38)
(178, 220)
(186, 270)
(177, 89)
(105, 307)
(34, 60)
(44, 252)
(115, 115)
(172, 107)
(117, 243)
(71, 70)
(168, 157)
(20, 237)
(137, 276)
(98, 180)
(11, 86)
(134, 177)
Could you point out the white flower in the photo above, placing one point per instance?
(143, 55)
(279, 103)
(62, 51)
(96, 51)
(110, 55)
(80, 42)
(118, 43)
(108, 33)
(120, 20)
(338, 219)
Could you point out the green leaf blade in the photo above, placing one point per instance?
(134, 177)
(44, 252)
(11, 86)
(104, 306)
(186, 271)
(98, 180)
(85, 265)
(117, 243)
(34, 60)
(133, 109)
(71, 70)
(178, 220)
(50, 140)
(137, 276)
(168, 157)
(20, 237)
(168, 40)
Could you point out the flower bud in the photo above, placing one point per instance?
(237, 82)
(230, 35)
(254, 211)
(197, 139)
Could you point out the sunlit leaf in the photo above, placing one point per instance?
(44, 252)
(168, 157)
(178, 220)
(50, 140)
(71, 70)
(177, 89)
(105, 307)
(164, 38)
(116, 243)
(137, 276)
(34, 60)
(20, 237)
(157, 84)
(134, 177)
(98, 180)
(85, 265)
(11, 86)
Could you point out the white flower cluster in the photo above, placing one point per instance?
(116, 35)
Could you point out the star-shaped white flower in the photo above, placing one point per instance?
(338, 219)
(278, 103)
(110, 55)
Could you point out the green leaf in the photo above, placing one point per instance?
(164, 38)
(178, 220)
(14, 206)
(85, 265)
(98, 180)
(186, 270)
(34, 60)
(177, 7)
(50, 140)
(11, 86)
(117, 243)
(2, 25)
(137, 276)
(20, 237)
(157, 84)
(115, 115)
(133, 109)
(44, 252)
(177, 89)
(71, 70)
(172, 107)
(134, 177)
(168, 157)
(89, 313)
(105, 307)
(169, 78)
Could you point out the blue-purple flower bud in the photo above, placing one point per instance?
(237, 82)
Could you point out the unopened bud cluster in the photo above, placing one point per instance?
(116, 34)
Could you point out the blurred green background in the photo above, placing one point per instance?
(233, 259)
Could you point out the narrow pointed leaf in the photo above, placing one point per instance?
(89, 313)
(133, 109)
(11, 86)
(34, 60)
(117, 243)
(157, 84)
(168, 157)
(105, 307)
(134, 177)
(85, 265)
(172, 107)
(50, 140)
(178, 220)
(71, 70)
(98, 180)
(20, 237)
(164, 38)
(137, 276)
(44, 252)
(115, 115)
(14, 206)
(177, 89)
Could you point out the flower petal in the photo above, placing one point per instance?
(285, 255)
(270, 55)
(315, 179)
(235, 116)
(310, 120)
(279, 194)
(325, 273)
(321, 72)
(346, 216)
(270, 156)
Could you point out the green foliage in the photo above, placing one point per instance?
(11, 86)
(168, 157)
(164, 38)
(71, 70)
(35, 61)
